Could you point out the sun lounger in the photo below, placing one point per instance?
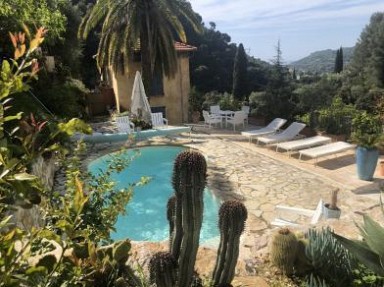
(315, 215)
(271, 128)
(295, 145)
(328, 149)
(288, 134)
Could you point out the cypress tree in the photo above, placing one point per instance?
(339, 61)
(240, 80)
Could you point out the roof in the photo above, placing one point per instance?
(182, 47)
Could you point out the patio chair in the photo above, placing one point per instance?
(271, 128)
(215, 110)
(295, 145)
(288, 134)
(315, 215)
(328, 149)
(237, 119)
(124, 125)
(246, 110)
(211, 119)
(158, 121)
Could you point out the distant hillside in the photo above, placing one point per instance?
(321, 61)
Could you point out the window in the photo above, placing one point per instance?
(157, 88)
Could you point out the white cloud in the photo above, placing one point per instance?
(251, 20)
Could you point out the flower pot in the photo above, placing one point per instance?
(195, 117)
(366, 161)
(381, 168)
(331, 213)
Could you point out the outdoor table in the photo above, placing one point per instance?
(226, 114)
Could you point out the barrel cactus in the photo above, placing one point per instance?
(232, 217)
(163, 270)
(284, 250)
(188, 180)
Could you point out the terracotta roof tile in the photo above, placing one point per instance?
(184, 47)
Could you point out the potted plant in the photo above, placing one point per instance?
(194, 106)
(367, 133)
(331, 210)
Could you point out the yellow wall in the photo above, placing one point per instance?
(176, 90)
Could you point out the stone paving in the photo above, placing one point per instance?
(262, 178)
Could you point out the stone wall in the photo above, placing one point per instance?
(45, 170)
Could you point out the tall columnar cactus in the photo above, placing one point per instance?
(171, 214)
(188, 180)
(284, 250)
(163, 270)
(232, 217)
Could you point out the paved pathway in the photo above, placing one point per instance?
(263, 178)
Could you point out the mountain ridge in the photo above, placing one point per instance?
(321, 61)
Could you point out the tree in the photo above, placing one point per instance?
(148, 23)
(240, 80)
(277, 101)
(212, 63)
(367, 64)
(339, 61)
(365, 82)
(33, 13)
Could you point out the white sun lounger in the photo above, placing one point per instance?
(315, 215)
(295, 145)
(289, 133)
(327, 149)
(271, 128)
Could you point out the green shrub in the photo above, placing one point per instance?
(335, 119)
(225, 101)
(367, 130)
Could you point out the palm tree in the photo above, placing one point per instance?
(148, 25)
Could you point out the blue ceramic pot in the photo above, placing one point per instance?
(366, 161)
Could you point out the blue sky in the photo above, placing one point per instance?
(302, 26)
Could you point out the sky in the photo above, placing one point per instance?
(301, 26)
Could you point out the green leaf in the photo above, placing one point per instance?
(50, 235)
(38, 269)
(374, 235)
(362, 253)
(25, 176)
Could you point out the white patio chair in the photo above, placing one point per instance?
(289, 133)
(271, 128)
(246, 110)
(124, 125)
(158, 121)
(211, 119)
(237, 119)
(215, 110)
(315, 215)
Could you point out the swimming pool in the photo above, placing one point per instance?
(146, 212)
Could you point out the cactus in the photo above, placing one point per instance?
(120, 251)
(188, 180)
(163, 270)
(302, 264)
(330, 261)
(232, 217)
(333, 204)
(284, 248)
(196, 280)
(171, 214)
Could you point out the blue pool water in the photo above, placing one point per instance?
(146, 212)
